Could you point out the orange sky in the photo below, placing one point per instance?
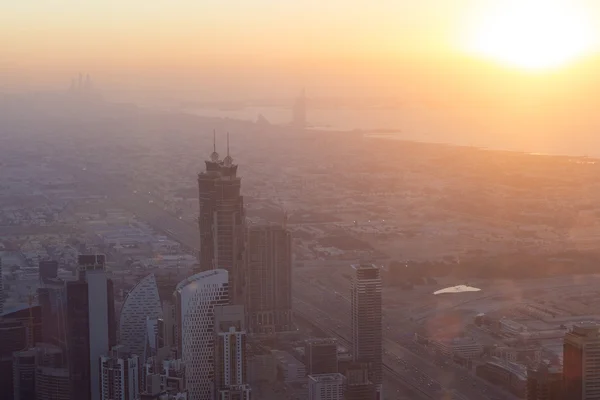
(384, 46)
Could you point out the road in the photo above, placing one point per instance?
(405, 364)
(411, 361)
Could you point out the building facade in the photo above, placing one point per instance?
(269, 279)
(222, 222)
(195, 299)
(321, 356)
(358, 384)
(581, 362)
(326, 387)
(366, 323)
(141, 303)
(230, 349)
(545, 383)
(90, 325)
(120, 375)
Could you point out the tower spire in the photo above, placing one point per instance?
(228, 161)
(214, 157)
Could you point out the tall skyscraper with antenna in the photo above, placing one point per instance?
(222, 221)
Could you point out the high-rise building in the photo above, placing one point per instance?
(48, 269)
(13, 337)
(358, 384)
(366, 302)
(581, 362)
(141, 303)
(222, 222)
(1, 290)
(52, 383)
(52, 297)
(195, 299)
(120, 375)
(24, 364)
(326, 386)
(545, 383)
(321, 356)
(269, 279)
(40, 374)
(91, 325)
(235, 392)
(230, 350)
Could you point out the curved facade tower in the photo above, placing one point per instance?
(195, 299)
(141, 303)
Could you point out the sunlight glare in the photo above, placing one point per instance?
(532, 34)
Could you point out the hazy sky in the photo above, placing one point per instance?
(246, 44)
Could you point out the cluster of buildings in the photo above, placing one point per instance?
(73, 342)
(189, 346)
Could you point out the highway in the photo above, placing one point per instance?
(408, 363)
(414, 364)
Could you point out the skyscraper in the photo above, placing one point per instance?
(321, 356)
(24, 363)
(48, 269)
(120, 375)
(269, 279)
(39, 374)
(366, 301)
(358, 385)
(581, 368)
(1, 289)
(195, 299)
(141, 303)
(326, 387)
(230, 352)
(545, 383)
(91, 325)
(222, 221)
(13, 337)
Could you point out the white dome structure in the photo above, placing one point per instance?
(141, 303)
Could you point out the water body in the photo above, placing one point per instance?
(457, 289)
(436, 125)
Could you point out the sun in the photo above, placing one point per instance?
(532, 34)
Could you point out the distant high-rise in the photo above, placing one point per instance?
(358, 385)
(24, 364)
(120, 375)
(222, 221)
(195, 299)
(581, 368)
(13, 337)
(299, 112)
(269, 279)
(141, 303)
(326, 386)
(48, 269)
(1, 290)
(39, 373)
(545, 383)
(230, 351)
(321, 356)
(366, 302)
(91, 325)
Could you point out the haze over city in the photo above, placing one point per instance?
(299, 200)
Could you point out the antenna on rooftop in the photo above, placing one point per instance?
(214, 141)
(228, 144)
